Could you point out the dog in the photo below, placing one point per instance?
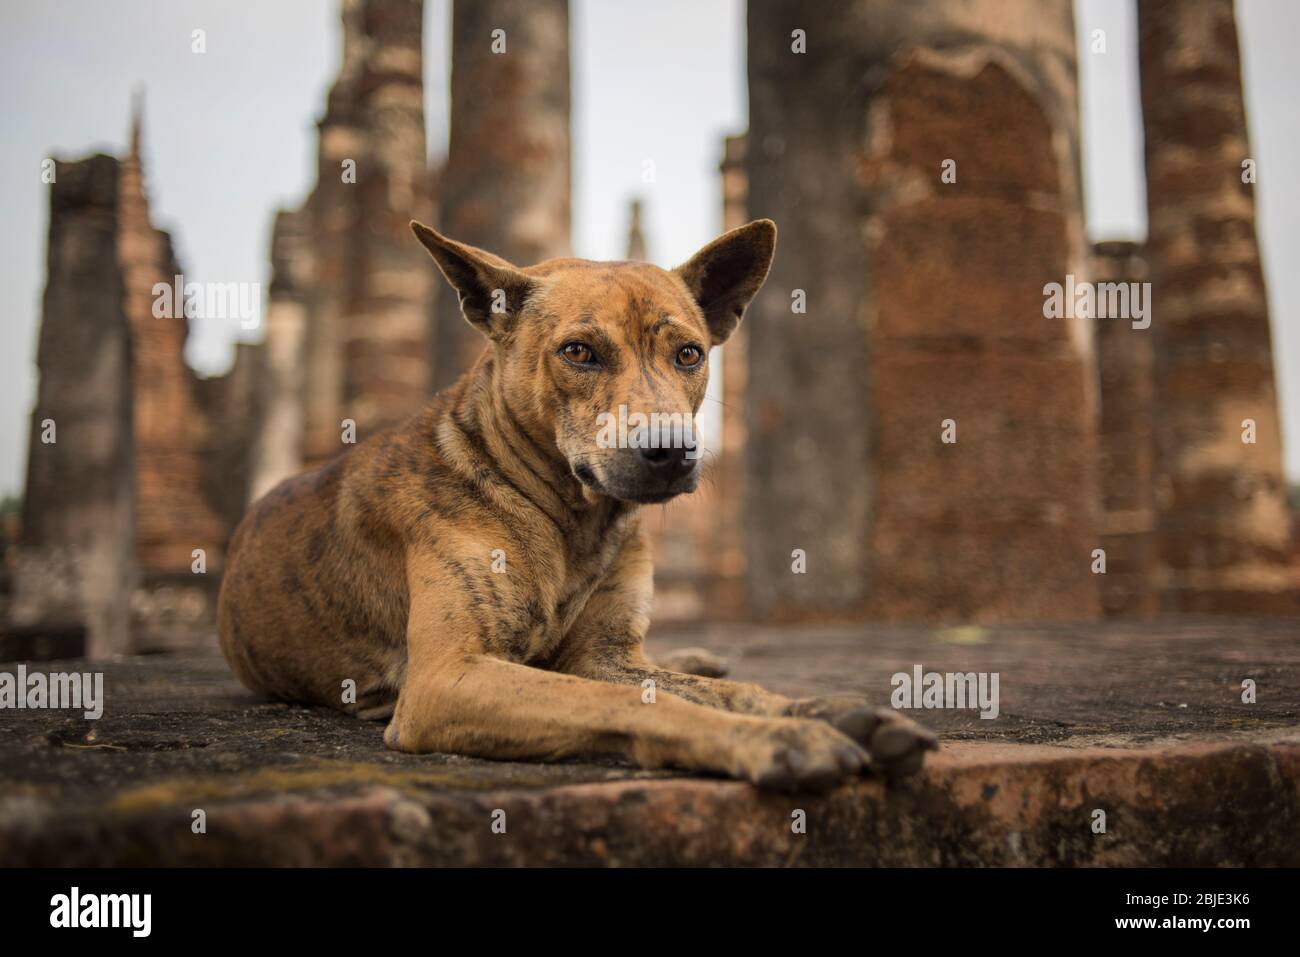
(479, 575)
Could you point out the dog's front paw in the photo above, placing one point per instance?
(782, 754)
(896, 744)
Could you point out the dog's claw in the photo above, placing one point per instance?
(897, 744)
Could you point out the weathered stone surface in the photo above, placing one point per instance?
(1222, 525)
(76, 562)
(1145, 723)
(506, 185)
(1125, 449)
(924, 305)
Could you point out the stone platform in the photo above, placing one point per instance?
(1142, 721)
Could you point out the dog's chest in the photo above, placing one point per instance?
(585, 568)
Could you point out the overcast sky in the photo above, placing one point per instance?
(230, 135)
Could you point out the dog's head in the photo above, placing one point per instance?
(611, 358)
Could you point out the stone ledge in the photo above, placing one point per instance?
(1142, 722)
(1191, 805)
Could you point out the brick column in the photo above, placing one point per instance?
(1222, 520)
(506, 185)
(276, 452)
(76, 563)
(386, 334)
(333, 219)
(1124, 448)
(924, 305)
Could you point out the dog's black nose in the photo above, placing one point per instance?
(668, 461)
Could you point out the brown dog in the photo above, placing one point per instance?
(479, 574)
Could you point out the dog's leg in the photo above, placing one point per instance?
(458, 697)
(897, 744)
(606, 642)
(486, 707)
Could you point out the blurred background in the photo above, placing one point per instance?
(898, 432)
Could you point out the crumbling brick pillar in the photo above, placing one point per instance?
(175, 512)
(1124, 448)
(506, 186)
(1221, 515)
(276, 451)
(333, 216)
(233, 409)
(76, 563)
(924, 314)
(387, 351)
(174, 516)
(728, 597)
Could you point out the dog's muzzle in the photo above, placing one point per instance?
(646, 476)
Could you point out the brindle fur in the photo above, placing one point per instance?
(378, 567)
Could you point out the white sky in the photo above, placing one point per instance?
(230, 135)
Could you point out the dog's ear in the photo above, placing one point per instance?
(492, 291)
(724, 275)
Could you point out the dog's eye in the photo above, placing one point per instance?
(689, 356)
(578, 353)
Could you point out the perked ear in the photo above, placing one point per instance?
(492, 291)
(724, 275)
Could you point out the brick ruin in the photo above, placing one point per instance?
(346, 261)
(506, 185)
(905, 309)
(946, 425)
(1084, 435)
(76, 565)
(1222, 525)
(1125, 445)
(178, 500)
(176, 434)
